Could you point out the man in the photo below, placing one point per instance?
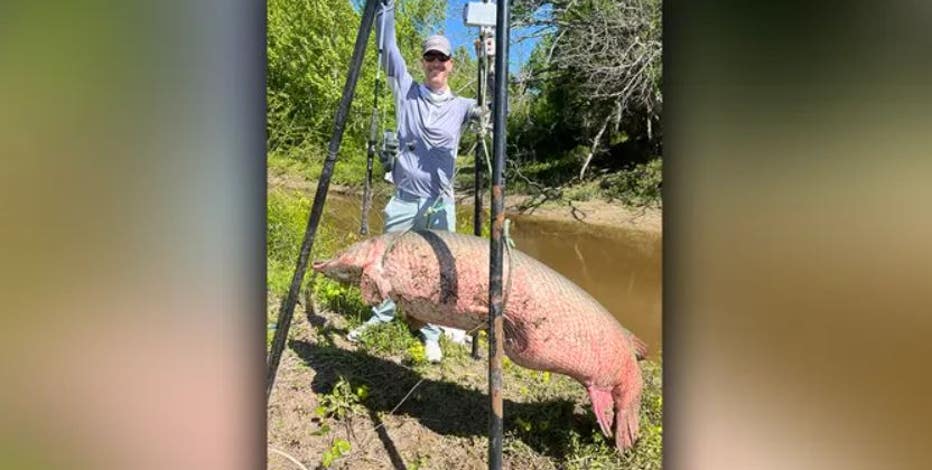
(430, 123)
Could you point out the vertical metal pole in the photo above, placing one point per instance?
(496, 350)
(287, 309)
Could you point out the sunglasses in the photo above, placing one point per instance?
(433, 57)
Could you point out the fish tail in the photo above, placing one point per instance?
(602, 407)
(627, 420)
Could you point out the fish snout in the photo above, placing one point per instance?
(337, 270)
(320, 266)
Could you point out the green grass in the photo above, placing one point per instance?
(307, 160)
(286, 220)
(583, 192)
(287, 217)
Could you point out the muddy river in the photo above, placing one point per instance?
(621, 268)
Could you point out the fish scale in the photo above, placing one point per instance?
(550, 323)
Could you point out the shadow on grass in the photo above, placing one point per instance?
(444, 407)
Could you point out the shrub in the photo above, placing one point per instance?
(638, 186)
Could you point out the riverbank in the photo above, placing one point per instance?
(594, 211)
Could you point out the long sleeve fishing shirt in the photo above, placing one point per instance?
(429, 124)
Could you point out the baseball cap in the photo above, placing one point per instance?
(438, 43)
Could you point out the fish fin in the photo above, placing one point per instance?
(626, 429)
(373, 285)
(640, 347)
(627, 419)
(602, 407)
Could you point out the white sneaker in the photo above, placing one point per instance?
(354, 335)
(456, 335)
(433, 352)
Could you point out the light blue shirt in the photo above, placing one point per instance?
(429, 124)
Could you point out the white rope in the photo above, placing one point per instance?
(289, 457)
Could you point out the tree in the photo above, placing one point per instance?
(601, 62)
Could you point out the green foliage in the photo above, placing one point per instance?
(416, 354)
(595, 77)
(391, 338)
(419, 463)
(341, 298)
(638, 186)
(308, 48)
(553, 171)
(285, 223)
(342, 401)
(582, 192)
(339, 448)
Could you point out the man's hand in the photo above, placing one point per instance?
(481, 116)
(389, 150)
(479, 112)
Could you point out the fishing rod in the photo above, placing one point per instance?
(483, 15)
(287, 309)
(373, 138)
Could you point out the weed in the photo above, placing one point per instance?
(344, 299)
(287, 214)
(339, 448)
(322, 431)
(416, 355)
(342, 401)
(390, 339)
(420, 462)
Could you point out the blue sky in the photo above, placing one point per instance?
(460, 35)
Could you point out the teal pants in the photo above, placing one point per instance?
(403, 212)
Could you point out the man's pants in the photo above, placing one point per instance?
(405, 211)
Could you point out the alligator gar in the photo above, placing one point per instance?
(549, 322)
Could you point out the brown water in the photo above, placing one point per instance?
(620, 268)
